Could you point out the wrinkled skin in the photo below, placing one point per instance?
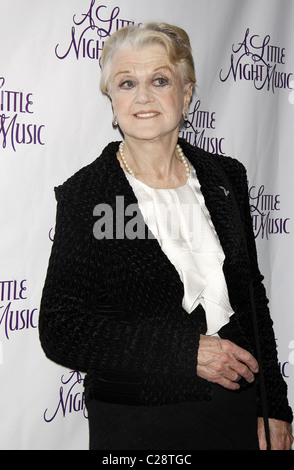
(223, 362)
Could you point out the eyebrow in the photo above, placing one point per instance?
(163, 67)
(158, 69)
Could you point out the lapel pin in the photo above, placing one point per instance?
(226, 192)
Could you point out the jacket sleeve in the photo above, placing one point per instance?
(81, 329)
(276, 387)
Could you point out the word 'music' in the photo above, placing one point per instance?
(258, 61)
(12, 294)
(15, 107)
(265, 212)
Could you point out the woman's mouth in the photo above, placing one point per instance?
(146, 115)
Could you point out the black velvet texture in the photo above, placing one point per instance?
(113, 307)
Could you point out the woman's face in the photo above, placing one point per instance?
(147, 93)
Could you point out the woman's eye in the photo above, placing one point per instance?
(160, 82)
(157, 82)
(127, 84)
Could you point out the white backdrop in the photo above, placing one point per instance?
(54, 121)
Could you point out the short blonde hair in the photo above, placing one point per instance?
(174, 39)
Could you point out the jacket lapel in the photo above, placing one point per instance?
(218, 201)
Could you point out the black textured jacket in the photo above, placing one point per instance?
(112, 307)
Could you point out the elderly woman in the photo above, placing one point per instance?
(148, 284)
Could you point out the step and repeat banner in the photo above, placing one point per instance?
(54, 120)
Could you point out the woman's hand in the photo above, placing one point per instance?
(280, 435)
(223, 362)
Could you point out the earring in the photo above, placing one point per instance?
(186, 115)
(114, 121)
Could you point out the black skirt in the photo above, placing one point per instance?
(227, 422)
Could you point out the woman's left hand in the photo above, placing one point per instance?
(280, 435)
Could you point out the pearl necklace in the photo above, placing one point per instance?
(179, 152)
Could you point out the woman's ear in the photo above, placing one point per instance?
(188, 92)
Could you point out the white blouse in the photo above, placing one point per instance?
(180, 221)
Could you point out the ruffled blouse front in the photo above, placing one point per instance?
(180, 221)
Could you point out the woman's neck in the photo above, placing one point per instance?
(155, 163)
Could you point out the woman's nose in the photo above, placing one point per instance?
(144, 94)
